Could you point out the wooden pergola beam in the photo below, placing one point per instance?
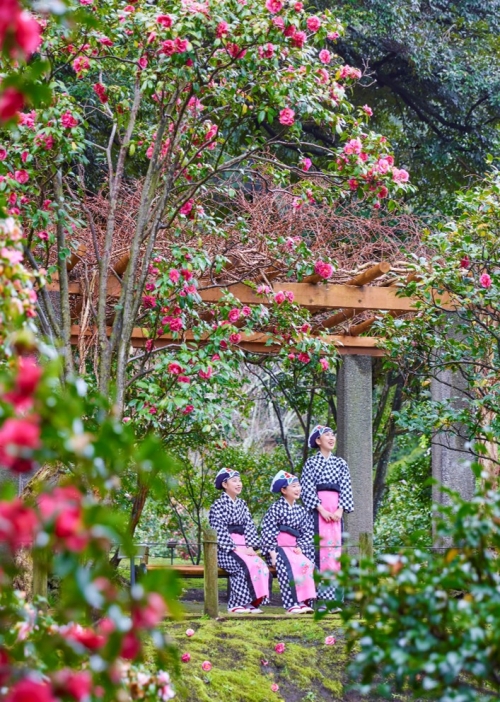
(370, 274)
(257, 342)
(335, 320)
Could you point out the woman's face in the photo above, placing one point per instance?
(233, 486)
(292, 492)
(326, 441)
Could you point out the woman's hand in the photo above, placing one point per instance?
(272, 554)
(327, 516)
(337, 515)
(297, 549)
(249, 551)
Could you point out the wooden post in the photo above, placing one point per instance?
(211, 573)
(365, 545)
(40, 574)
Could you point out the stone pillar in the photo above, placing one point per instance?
(451, 459)
(354, 444)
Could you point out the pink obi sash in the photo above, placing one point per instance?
(299, 568)
(330, 533)
(257, 570)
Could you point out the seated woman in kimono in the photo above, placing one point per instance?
(287, 540)
(236, 540)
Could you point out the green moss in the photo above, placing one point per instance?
(307, 670)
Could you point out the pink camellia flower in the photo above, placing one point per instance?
(12, 255)
(168, 47)
(313, 23)
(325, 270)
(306, 164)
(22, 176)
(275, 687)
(329, 641)
(291, 356)
(174, 275)
(186, 207)
(16, 435)
(27, 33)
(149, 345)
(465, 262)
(289, 295)
(399, 175)
(176, 324)
(165, 21)
(353, 146)
(190, 632)
(80, 64)
(234, 315)
(186, 657)
(274, 6)
(76, 684)
(234, 338)
(184, 379)
(383, 192)
(175, 369)
(303, 357)
(299, 39)
(298, 7)
(131, 646)
(68, 121)
(263, 290)
(148, 302)
(186, 274)
(246, 311)
(206, 375)
(485, 280)
(27, 119)
(149, 615)
(325, 56)
(28, 690)
(287, 117)
(367, 110)
(264, 662)
(305, 328)
(143, 62)
(188, 409)
(222, 30)
(181, 45)
(280, 648)
(3, 153)
(235, 51)
(324, 364)
(267, 51)
(279, 22)
(206, 666)
(279, 297)
(11, 102)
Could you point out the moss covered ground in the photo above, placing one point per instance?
(238, 649)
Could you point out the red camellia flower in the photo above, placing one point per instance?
(131, 646)
(30, 691)
(100, 90)
(75, 684)
(280, 648)
(175, 368)
(186, 657)
(11, 102)
(274, 6)
(234, 338)
(222, 30)
(165, 21)
(188, 409)
(313, 23)
(279, 297)
(63, 506)
(17, 524)
(85, 637)
(304, 357)
(465, 262)
(16, 435)
(28, 377)
(4, 666)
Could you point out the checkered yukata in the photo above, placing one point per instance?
(281, 513)
(225, 512)
(319, 470)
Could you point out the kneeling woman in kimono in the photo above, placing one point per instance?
(236, 540)
(287, 540)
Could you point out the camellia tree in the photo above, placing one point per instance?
(429, 621)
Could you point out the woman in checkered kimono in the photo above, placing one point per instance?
(287, 534)
(236, 540)
(327, 493)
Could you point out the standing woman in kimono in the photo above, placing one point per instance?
(236, 540)
(327, 492)
(287, 540)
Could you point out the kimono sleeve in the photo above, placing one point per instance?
(269, 531)
(309, 496)
(346, 500)
(217, 518)
(306, 538)
(251, 537)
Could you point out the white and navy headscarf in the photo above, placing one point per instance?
(318, 431)
(223, 475)
(282, 479)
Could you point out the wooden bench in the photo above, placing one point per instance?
(196, 571)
